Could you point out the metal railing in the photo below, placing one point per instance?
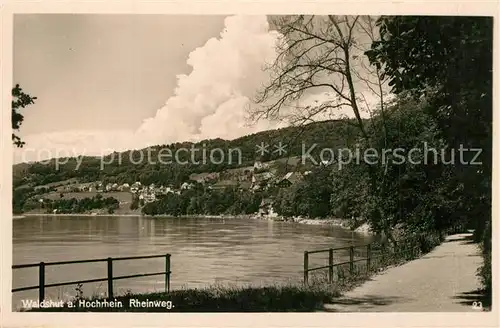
(373, 252)
(110, 278)
(331, 264)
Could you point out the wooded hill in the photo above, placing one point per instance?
(327, 134)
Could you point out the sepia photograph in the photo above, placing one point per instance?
(251, 163)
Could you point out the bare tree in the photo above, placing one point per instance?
(325, 54)
(371, 75)
(320, 54)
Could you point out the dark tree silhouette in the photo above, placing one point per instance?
(19, 100)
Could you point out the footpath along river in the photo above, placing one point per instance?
(204, 251)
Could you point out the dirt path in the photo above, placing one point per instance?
(442, 280)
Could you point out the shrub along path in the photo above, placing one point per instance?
(442, 280)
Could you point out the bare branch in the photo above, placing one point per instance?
(321, 54)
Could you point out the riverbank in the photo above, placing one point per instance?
(318, 221)
(138, 215)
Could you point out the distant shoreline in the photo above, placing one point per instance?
(70, 214)
(320, 221)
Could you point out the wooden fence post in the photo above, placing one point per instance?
(110, 278)
(368, 257)
(167, 273)
(351, 260)
(330, 265)
(306, 267)
(41, 281)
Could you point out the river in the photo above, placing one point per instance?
(203, 251)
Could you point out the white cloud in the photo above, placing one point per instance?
(209, 102)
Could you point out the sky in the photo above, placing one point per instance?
(117, 68)
(115, 82)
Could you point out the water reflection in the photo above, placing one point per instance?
(203, 251)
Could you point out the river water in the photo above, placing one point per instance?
(203, 251)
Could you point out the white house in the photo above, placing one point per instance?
(149, 197)
(186, 185)
(257, 165)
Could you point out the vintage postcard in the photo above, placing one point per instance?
(193, 159)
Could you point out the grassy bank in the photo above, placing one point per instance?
(292, 298)
(278, 298)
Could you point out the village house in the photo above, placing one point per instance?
(261, 180)
(147, 197)
(186, 186)
(136, 186)
(124, 187)
(98, 186)
(289, 179)
(83, 187)
(258, 166)
(168, 190)
(266, 208)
